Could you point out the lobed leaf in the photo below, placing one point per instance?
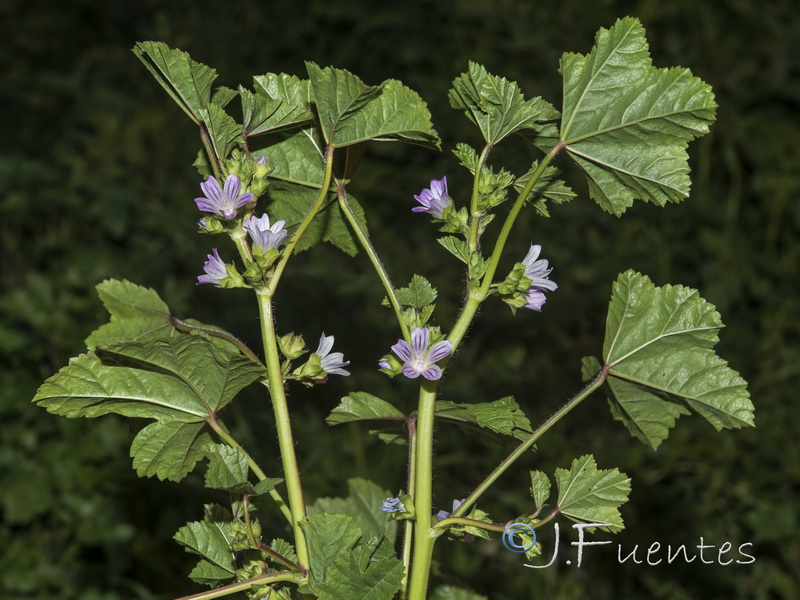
(540, 489)
(223, 131)
(363, 505)
(169, 449)
(345, 578)
(209, 539)
(279, 102)
(137, 314)
(591, 496)
(351, 112)
(328, 537)
(186, 81)
(496, 105)
(659, 350)
(502, 416)
(546, 189)
(627, 123)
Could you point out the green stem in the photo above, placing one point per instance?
(374, 259)
(474, 213)
(502, 238)
(449, 521)
(254, 543)
(298, 234)
(408, 526)
(212, 157)
(530, 441)
(243, 586)
(424, 537)
(283, 424)
(228, 439)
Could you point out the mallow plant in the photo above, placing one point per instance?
(275, 184)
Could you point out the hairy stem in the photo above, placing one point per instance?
(424, 537)
(301, 229)
(474, 213)
(243, 586)
(408, 526)
(374, 259)
(283, 424)
(530, 441)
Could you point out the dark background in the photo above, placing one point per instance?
(96, 182)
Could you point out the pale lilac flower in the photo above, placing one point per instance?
(331, 363)
(435, 199)
(262, 160)
(263, 235)
(392, 505)
(222, 201)
(538, 271)
(214, 268)
(418, 359)
(384, 364)
(443, 514)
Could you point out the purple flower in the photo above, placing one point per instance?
(418, 359)
(538, 271)
(331, 363)
(392, 505)
(435, 199)
(214, 268)
(443, 514)
(263, 235)
(223, 202)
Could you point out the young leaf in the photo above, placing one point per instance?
(209, 539)
(223, 131)
(137, 314)
(279, 102)
(495, 104)
(457, 247)
(540, 489)
(186, 81)
(591, 496)
(361, 406)
(659, 347)
(419, 293)
(328, 536)
(227, 467)
(546, 189)
(351, 112)
(627, 123)
(363, 505)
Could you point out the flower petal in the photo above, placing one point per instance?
(419, 341)
(432, 373)
(403, 351)
(325, 345)
(439, 351)
(410, 371)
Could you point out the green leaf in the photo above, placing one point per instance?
(351, 112)
(456, 247)
(502, 416)
(328, 536)
(137, 314)
(419, 293)
(223, 131)
(222, 96)
(361, 406)
(345, 578)
(209, 574)
(496, 105)
(540, 489)
(627, 123)
(177, 381)
(279, 102)
(292, 203)
(449, 592)
(227, 468)
(659, 349)
(296, 158)
(546, 189)
(169, 449)
(186, 81)
(363, 505)
(209, 539)
(591, 496)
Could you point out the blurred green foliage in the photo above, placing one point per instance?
(97, 182)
